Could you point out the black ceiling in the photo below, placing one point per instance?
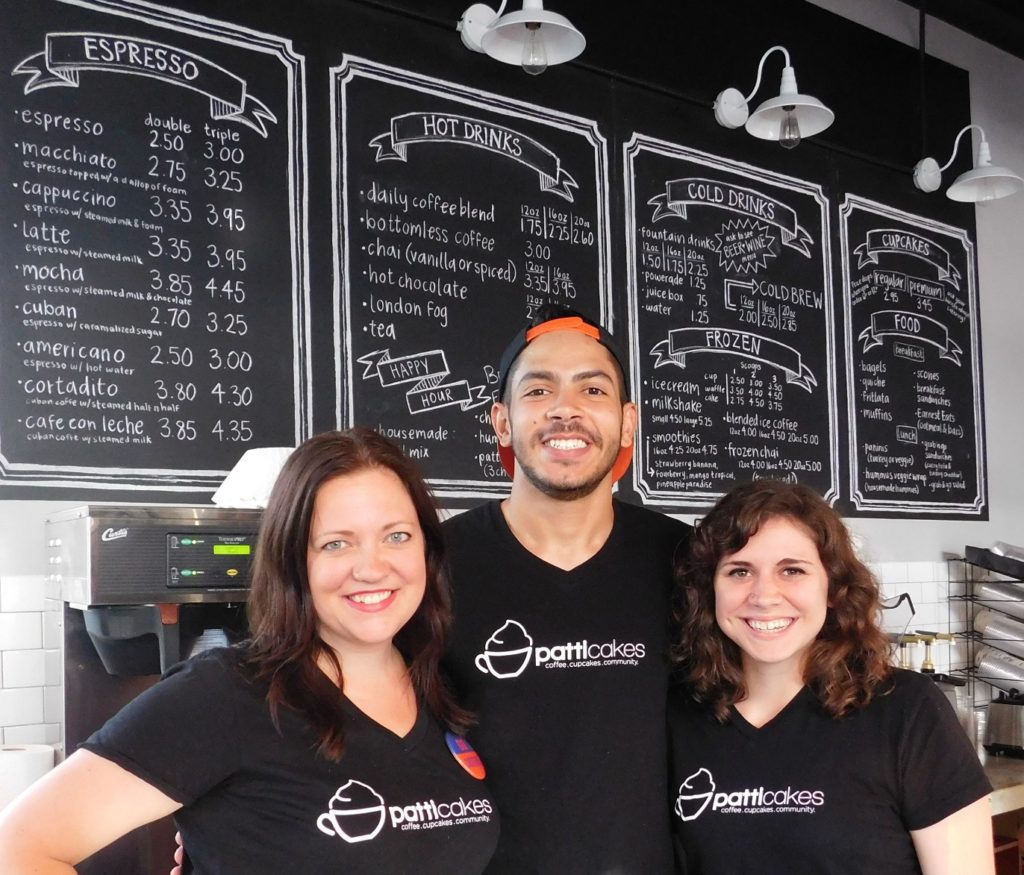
(999, 22)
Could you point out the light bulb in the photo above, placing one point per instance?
(789, 129)
(988, 191)
(535, 55)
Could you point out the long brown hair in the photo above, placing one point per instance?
(847, 663)
(285, 645)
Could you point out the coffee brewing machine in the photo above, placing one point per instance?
(143, 587)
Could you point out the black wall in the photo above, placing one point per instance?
(652, 70)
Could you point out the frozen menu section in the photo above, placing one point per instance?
(913, 364)
(153, 258)
(731, 322)
(459, 213)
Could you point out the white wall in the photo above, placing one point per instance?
(31, 681)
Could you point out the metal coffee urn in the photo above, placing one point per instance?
(141, 584)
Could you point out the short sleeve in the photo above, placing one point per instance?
(939, 767)
(181, 734)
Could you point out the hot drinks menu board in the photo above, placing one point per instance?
(912, 363)
(458, 213)
(152, 316)
(731, 323)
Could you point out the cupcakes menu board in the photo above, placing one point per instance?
(459, 213)
(153, 268)
(912, 362)
(732, 325)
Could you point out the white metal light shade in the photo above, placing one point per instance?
(984, 182)
(504, 39)
(786, 119)
(811, 114)
(514, 37)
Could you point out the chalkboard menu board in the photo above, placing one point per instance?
(731, 324)
(153, 313)
(458, 213)
(912, 363)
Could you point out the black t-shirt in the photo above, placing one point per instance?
(812, 795)
(260, 801)
(567, 673)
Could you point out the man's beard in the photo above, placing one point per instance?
(559, 491)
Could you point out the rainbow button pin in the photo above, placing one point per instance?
(465, 755)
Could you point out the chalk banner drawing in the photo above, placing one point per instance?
(457, 213)
(732, 326)
(155, 301)
(913, 364)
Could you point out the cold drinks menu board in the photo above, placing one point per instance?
(153, 253)
(912, 362)
(731, 325)
(458, 214)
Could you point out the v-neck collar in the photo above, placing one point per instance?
(507, 536)
(794, 705)
(406, 742)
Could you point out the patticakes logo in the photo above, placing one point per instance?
(694, 795)
(510, 649)
(697, 792)
(357, 813)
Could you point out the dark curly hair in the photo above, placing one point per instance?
(848, 662)
(285, 645)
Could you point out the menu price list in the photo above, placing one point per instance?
(732, 322)
(912, 363)
(142, 286)
(463, 215)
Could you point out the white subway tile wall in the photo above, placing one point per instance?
(21, 707)
(23, 668)
(21, 631)
(20, 594)
(929, 585)
(31, 665)
(53, 634)
(53, 705)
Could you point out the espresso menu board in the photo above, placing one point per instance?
(731, 323)
(153, 261)
(912, 363)
(459, 213)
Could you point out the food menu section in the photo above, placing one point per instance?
(458, 213)
(153, 257)
(731, 322)
(912, 363)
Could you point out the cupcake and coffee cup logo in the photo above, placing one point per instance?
(507, 652)
(355, 813)
(510, 649)
(695, 794)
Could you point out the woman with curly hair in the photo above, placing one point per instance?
(796, 747)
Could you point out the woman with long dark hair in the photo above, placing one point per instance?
(796, 747)
(328, 742)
